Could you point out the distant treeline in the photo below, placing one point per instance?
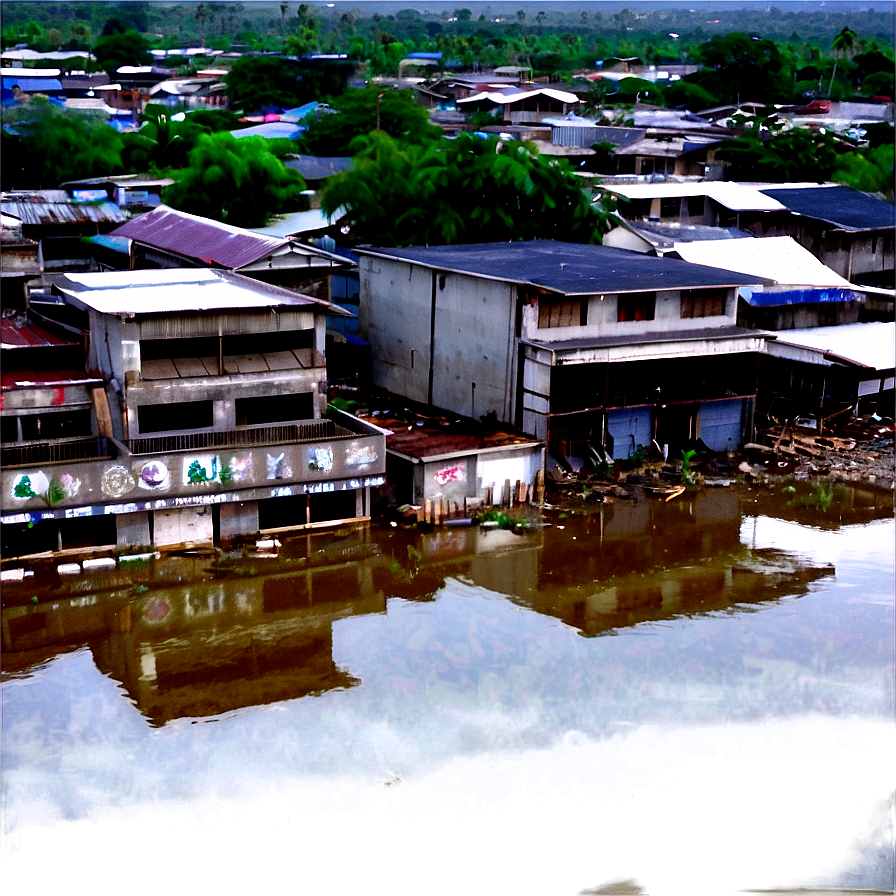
(51, 25)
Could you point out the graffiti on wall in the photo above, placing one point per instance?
(454, 473)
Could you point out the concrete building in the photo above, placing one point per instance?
(209, 419)
(581, 346)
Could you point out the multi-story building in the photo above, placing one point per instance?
(209, 420)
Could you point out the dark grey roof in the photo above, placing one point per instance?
(569, 268)
(841, 206)
(319, 167)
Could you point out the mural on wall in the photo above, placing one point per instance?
(278, 468)
(454, 473)
(153, 475)
(26, 486)
(116, 481)
(360, 455)
(236, 469)
(321, 459)
(200, 469)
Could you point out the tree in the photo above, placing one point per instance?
(749, 67)
(770, 151)
(47, 146)
(161, 142)
(358, 112)
(239, 182)
(464, 190)
(257, 82)
(121, 48)
(869, 170)
(842, 45)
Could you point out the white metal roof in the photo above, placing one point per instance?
(516, 96)
(734, 196)
(780, 258)
(173, 290)
(870, 345)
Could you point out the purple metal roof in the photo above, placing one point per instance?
(205, 241)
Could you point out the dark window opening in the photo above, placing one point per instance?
(9, 429)
(696, 206)
(562, 312)
(19, 540)
(333, 506)
(88, 531)
(281, 513)
(63, 425)
(636, 306)
(274, 408)
(174, 417)
(703, 302)
(671, 207)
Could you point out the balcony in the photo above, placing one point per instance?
(88, 476)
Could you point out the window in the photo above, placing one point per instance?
(636, 306)
(703, 302)
(562, 312)
(670, 208)
(274, 408)
(696, 206)
(174, 417)
(60, 425)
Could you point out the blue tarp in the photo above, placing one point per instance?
(771, 298)
(32, 85)
(271, 130)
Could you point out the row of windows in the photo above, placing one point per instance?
(634, 306)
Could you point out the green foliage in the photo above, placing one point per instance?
(690, 96)
(686, 475)
(340, 404)
(748, 68)
(121, 48)
(55, 492)
(257, 82)
(503, 519)
(49, 145)
(161, 142)
(239, 182)
(773, 152)
(633, 461)
(464, 190)
(632, 90)
(822, 496)
(869, 170)
(400, 116)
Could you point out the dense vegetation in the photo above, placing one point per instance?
(777, 55)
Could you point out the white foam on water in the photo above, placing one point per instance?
(697, 808)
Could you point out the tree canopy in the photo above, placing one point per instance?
(239, 182)
(120, 48)
(46, 145)
(360, 112)
(464, 190)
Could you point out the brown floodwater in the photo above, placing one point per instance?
(692, 696)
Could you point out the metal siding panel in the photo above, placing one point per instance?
(721, 421)
(628, 428)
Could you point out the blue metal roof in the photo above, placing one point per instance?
(32, 85)
(271, 130)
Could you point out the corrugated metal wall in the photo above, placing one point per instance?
(721, 422)
(628, 428)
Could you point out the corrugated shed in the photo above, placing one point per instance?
(19, 332)
(200, 239)
(55, 207)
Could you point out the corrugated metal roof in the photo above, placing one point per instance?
(516, 96)
(42, 379)
(781, 258)
(201, 239)
(175, 290)
(567, 268)
(731, 195)
(19, 332)
(866, 345)
(841, 206)
(272, 130)
(55, 207)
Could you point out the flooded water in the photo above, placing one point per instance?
(690, 697)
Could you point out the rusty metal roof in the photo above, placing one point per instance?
(207, 242)
(55, 207)
(19, 332)
(44, 379)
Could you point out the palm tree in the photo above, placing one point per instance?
(843, 45)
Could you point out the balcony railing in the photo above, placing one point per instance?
(311, 431)
(62, 451)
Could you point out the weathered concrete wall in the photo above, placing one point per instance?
(188, 525)
(133, 529)
(603, 312)
(238, 519)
